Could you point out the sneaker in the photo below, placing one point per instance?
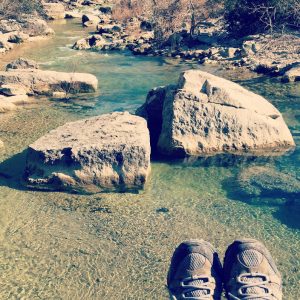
(195, 272)
(250, 272)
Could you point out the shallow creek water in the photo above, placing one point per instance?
(118, 246)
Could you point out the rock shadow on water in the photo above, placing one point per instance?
(11, 171)
(262, 185)
(221, 160)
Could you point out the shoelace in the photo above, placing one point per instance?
(245, 294)
(193, 286)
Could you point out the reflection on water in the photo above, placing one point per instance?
(117, 246)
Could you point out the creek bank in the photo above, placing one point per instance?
(269, 54)
(28, 27)
(13, 32)
(205, 114)
(108, 153)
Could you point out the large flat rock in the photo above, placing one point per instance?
(105, 153)
(39, 82)
(206, 114)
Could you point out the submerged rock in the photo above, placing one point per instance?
(22, 63)
(38, 82)
(265, 181)
(207, 114)
(105, 153)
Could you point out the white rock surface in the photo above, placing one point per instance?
(47, 82)
(105, 153)
(206, 114)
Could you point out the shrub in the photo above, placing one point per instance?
(246, 17)
(16, 9)
(168, 16)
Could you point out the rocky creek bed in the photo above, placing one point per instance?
(59, 245)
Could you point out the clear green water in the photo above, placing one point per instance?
(118, 246)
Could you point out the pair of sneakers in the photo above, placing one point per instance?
(248, 273)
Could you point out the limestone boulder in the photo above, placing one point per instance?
(206, 114)
(95, 41)
(39, 82)
(292, 75)
(90, 20)
(36, 27)
(82, 44)
(101, 154)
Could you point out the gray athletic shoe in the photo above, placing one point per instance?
(195, 272)
(250, 272)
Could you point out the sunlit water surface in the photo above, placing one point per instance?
(118, 246)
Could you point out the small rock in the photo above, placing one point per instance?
(22, 63)
(292, 75)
